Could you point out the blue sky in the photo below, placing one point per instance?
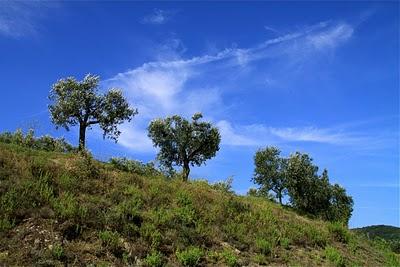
(321, 78)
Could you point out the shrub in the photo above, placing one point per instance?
(264, 246)
(45, 142)
(134, 166)
(154, 259)
(334, 256)
(190, 256)
(224, 186)
(185, 212)
(339, 232)
(88, 167)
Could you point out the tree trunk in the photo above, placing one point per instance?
(186, 171)
(280, 197)
(82, 137)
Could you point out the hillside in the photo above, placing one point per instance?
(68, 209)
(386, 232)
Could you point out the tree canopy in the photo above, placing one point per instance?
(79, 103)
(184, 143)
(308, 191)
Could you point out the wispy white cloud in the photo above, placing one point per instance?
(20, 18)
(175, 85)
(332, 37)
(271, 29)
(259, 135)
(158, 16)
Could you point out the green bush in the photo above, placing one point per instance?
(185, 213)
(334, 256)
(134, 166)
(46, 142)
(88, 167)
(264, 246)
(190, 256)
(224, 186)
(154, 259)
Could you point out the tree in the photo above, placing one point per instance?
(341, 204)
(270, 171)
(312, 193)
(184, 143)
(79, 103)
(301, 174)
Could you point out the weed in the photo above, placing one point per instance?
(264, 246)
(285, 242)
(58, 252)
(6, 224)
(190, 256)
(334, 256)
(229, 258)
(339, 232)
(154, 259)
(67, 207)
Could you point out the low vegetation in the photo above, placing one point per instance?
(59, 207)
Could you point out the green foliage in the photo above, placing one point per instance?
(311, 193)
(339, 232)
(5, 224)
(46, 142)
(48, 196)
(185, 213)
(334, 256)
(154, 259)
(190, 256)
(264, 246)
(392, 259)
(285, 242)
(67, 207)
(79, 103)
(390, 234)
(224, 186)
(58, 252)
(386, 232)
(135, 166)
(68, 182)
(229, 258)
(109, 239)
(270, 171)
(184, 143)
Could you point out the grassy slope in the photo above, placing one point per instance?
(57, 208)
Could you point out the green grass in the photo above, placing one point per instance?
(114, 215)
